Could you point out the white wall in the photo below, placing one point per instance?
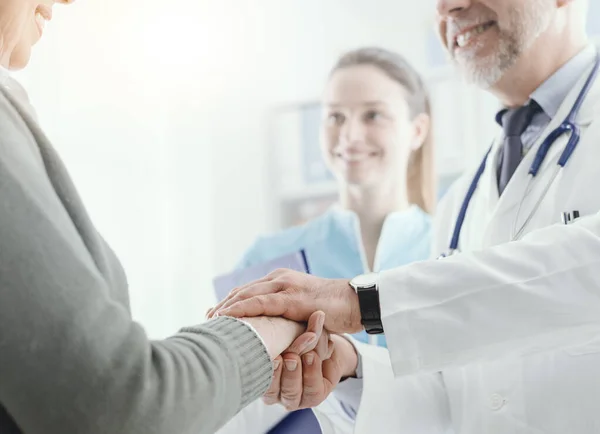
(159, 112)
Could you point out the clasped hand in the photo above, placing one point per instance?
(304, 378)
(296, 296)
(307, 371)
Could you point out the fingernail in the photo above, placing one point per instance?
(322, 321)
(308, 344)
(291, 365)
(269, 401)
(275, 364)
(309, 359)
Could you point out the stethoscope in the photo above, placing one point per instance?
(566, 127)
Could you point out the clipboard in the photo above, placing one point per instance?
(224, 283)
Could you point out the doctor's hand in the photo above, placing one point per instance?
(306, 381)
(296, 296)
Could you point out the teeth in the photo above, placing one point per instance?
(464, 38)
(353, 158)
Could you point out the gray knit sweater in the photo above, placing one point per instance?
(71, 358)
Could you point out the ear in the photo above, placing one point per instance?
(422, 125)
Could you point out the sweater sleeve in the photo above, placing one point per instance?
(71, 358)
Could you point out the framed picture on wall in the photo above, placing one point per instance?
(301, 184)
(314, 169)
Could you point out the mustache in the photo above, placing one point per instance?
(457, 24)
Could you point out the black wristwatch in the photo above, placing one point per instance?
(367, 289)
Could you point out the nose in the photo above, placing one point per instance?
(448, 8)
(353, 131)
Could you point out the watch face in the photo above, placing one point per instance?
(365, 280)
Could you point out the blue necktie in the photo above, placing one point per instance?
(514, 122)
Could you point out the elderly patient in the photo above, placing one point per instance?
(71, 358)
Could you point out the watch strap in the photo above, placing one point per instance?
(370, 310)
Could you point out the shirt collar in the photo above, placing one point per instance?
(552, 92)
(555, 89)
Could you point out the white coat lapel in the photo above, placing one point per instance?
(484, 202)
(502, 223)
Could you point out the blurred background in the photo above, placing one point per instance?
(191, 127)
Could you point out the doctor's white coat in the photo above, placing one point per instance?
(503, 338)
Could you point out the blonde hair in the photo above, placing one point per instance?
(421, 169)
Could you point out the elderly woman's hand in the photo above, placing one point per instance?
(281, 335)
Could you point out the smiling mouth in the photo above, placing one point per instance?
(355, 158)
(42, 16)
(44, 12)
(463, 39)
(40, 21)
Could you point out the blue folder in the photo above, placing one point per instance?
(297, 422)
(223, 284)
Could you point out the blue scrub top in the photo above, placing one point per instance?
(334, 250)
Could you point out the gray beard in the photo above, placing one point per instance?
(525, 27)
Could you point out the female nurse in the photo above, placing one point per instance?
(377, 141)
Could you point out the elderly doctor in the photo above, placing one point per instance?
(510, 322)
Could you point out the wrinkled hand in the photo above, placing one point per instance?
(296, 296)
(306, 381)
